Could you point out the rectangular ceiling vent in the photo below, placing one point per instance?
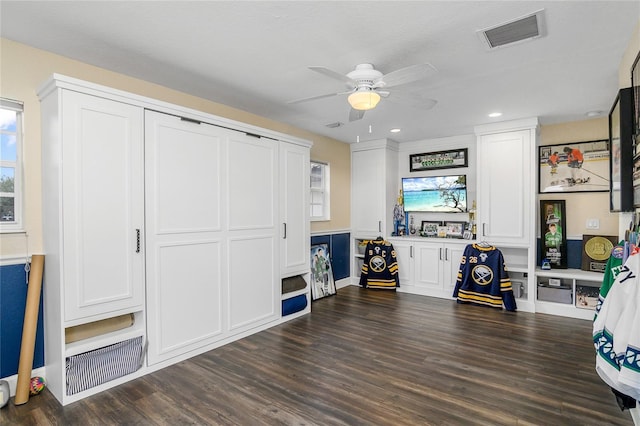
(525, 28)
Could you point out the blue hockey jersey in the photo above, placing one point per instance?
(380, 267)
(483, 279)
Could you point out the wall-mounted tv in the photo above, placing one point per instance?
(446, 194)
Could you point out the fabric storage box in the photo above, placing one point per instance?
(294, 304)
(93, 368)
(555, 294)
(292, 284)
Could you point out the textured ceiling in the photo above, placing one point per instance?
(254, 56)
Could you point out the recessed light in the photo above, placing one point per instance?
(396, 130)
(495, 114)
(593, 113)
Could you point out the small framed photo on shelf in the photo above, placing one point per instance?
(430, 229)
(455, 229)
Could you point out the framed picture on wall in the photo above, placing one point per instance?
(574, 167)
(439, 160)
(553, 232)
(635, 85)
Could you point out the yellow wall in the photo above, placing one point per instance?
(586, 205)
(23, 69)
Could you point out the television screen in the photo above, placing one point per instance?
(435, 194)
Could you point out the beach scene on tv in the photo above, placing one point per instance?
(435, 194)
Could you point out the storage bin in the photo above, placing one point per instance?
(294, 304)
(93, 368)
(555, 294)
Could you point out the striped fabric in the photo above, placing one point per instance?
(99, 366)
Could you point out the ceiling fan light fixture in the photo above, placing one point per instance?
(363, 100)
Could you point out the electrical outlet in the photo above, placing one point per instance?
(593, 223)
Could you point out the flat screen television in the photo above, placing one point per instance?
(444, 194)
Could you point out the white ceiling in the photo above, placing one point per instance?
(254, 55)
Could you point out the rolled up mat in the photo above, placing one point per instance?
(294, 304)
(25, 365)
(96, 328)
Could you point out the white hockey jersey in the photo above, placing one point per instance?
(616, 332)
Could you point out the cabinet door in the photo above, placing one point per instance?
(368, 192)
(504, 172)
(186, 254)
(452, 256)
(294, 209)
(404, 254)
(102, 201)
(428, 264)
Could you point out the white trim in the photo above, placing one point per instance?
(334, 232)
(14, 260)
(13, 380)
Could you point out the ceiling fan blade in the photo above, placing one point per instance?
(412, 99)
(405, 75)
(313, 98)
(355, 114)
(335, 75)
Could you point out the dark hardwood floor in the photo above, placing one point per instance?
(367, 357)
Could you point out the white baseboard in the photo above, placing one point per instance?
(13, 380)
(343, 282)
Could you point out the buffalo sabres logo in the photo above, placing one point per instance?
(377, 264)
(482, 275)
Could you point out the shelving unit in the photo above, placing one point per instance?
(572, 283)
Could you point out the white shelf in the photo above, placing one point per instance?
(97, 342)
(571, 274)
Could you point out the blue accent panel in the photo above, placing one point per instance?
(341, 244)
(339, 249)
(574, 253)
(13, 298)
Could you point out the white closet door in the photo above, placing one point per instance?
(186, 255)
(102, 145)
(252, 204)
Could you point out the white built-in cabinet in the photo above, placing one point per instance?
(506, 179)
(427, 266)
(374, 187)
(183, 221)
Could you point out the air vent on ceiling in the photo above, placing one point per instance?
(528, 27)
(334, 125)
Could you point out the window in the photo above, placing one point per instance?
(319, 191)
(10, 165)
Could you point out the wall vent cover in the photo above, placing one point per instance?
(525, 28)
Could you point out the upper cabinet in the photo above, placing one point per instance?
(374, 187)
(506, 176)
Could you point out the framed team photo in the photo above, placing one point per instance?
(574, 167)
(322, 283)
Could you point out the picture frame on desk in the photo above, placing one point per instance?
(430, 228)
(455, 229)
(553, 228)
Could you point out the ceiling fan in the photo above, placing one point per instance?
(366, 86)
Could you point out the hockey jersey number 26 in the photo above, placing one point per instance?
(483, 279)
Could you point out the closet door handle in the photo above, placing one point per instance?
(411, 251)
(137, 240)
(284, 225)
(484, 234)
(446, 254)
(440, 253)
(379, 226)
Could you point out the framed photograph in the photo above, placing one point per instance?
(439, 160)
(322, 284)
(430, 229)
(574, 167)
(635, 85)
(455, 229)
(553, 236)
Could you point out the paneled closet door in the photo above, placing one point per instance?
(102, 199)
(253, 223)
(185, 172)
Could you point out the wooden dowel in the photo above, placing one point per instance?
(28, 344)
